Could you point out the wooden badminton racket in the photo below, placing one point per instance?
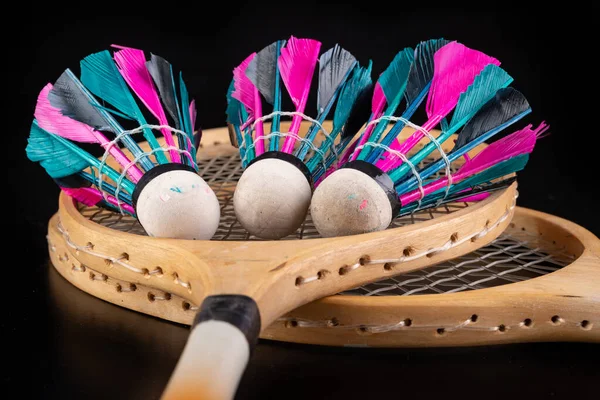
(554, 262)
(248, 284)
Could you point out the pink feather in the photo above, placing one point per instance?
(87, 196)
(515, 144)
(476, 197)
(248, 95)
(193, 114)
(297, 64)
(52, 120)
(92, 196)
(455, 69)
(377, 104)
(132, 66)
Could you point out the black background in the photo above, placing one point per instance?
(551, 56)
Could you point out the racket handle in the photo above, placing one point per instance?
(223, 335)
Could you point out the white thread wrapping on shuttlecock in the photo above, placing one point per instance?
(432, 139)
(305, 117)
(139, 129)
(404, 159)
(286, 134)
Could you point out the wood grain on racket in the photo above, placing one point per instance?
(501, 315)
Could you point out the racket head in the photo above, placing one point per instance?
(538, 281)
(279, 275)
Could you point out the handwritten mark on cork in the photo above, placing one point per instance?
(364, 203)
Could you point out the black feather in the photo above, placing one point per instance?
(74, 101)
(360, 113)
(334, 65)
(505, 105)
(197, 137)
(72, 181)
(421, 70)
(162, 74)
(261, 71)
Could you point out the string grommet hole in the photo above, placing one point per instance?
(89, 246)
(388, 266)
(408, 251)
(343, 270)
(322, 274)
(157, 271)
(364, 260)
(186, 306)
(440, 331)
(363, 330)
(454, 237)
(586, 325)
(299, 281)
(146, 273)
(333, 322)
(502, 328)
(556, 320)
(151, 296)
(527, 323)
(407, 322)
(124, 256)
(291, 323)
(474, 318)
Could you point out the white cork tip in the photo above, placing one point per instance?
(272, 198)
(178, 204)
(349, 202)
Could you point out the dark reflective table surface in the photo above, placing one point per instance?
(95, 350)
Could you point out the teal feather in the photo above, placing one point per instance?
(394, 79)
(393, 82)
(352, 91)
(234, 118)
(483, 88)
(484, 178)
(499, 170)
(54, 153)
(100, 76)
(185, 106)
(234, 107)
(60, 157)
(361, 79)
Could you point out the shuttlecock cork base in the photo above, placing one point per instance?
(273, 195)
(172, 200)
(280, 162)
(357, 198)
